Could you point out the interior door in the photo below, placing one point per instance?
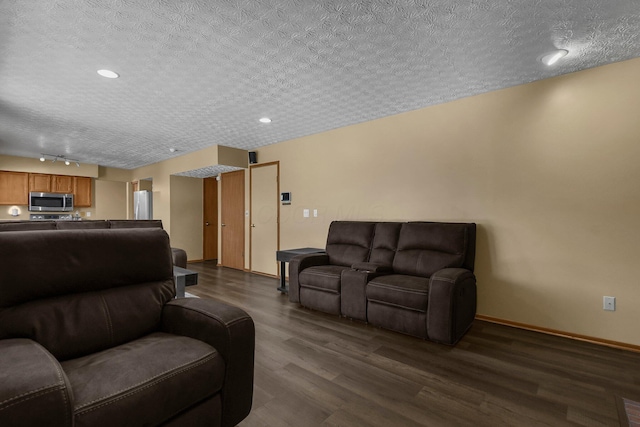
(210, 218)
(264, 218)
(232, 219)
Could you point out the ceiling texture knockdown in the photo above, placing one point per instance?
(194, 73)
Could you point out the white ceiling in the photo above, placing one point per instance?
(200, 72)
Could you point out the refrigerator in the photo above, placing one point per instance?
(142, 204)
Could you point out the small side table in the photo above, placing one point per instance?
(285, 256)
(183, 278)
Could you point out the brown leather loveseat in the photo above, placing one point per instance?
(91, 335)
(179, 255)
(413, 277)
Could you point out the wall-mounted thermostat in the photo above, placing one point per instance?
(285, 198)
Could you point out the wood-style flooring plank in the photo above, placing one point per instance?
(315, 369)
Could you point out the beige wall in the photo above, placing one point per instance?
(233, 157)
(186, 215)
(110, 200)
(548, 170)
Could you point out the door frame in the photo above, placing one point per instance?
(277, 165)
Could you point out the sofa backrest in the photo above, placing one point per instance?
(349, 242)
(80, 291)
(426, 247)
(135, 223)
(27, 225)
(385, 243)
(74, 225)
(81, 225)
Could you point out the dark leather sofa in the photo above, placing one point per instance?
(413, 277)
(179, 255)
(91, 335)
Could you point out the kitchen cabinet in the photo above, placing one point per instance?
(81, 192)
(14, 188)
(61, 184)
(40, 182)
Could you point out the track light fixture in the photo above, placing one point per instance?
(55, 157)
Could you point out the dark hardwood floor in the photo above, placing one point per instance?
(313, 369)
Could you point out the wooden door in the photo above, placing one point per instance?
(232, 219)
(264, 229)
(210, 217)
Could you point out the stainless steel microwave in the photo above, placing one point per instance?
(50, 202)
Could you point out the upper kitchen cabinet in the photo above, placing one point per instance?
(46, 183)
(81, 192)
(40, 182)
(14, 188)
(61, 184)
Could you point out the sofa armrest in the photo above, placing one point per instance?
(34, 391)
(372, 267)
(452, 304)
(231, 331)
(179, 257)
(296, 265)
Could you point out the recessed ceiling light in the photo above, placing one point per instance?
(553, 57)
(108, 74)
(265, 120)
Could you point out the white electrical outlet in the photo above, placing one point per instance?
(609, 303)
(305, 213)
(315, 213)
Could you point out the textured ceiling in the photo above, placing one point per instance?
(196, 72)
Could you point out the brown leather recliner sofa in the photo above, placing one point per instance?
(413, 277)
(91, 335)
(179, 255)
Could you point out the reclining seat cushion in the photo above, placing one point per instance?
(323, 277)
(348, 242)
(143, 382)
(410, 292)
(422, 249)
(400, 301)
